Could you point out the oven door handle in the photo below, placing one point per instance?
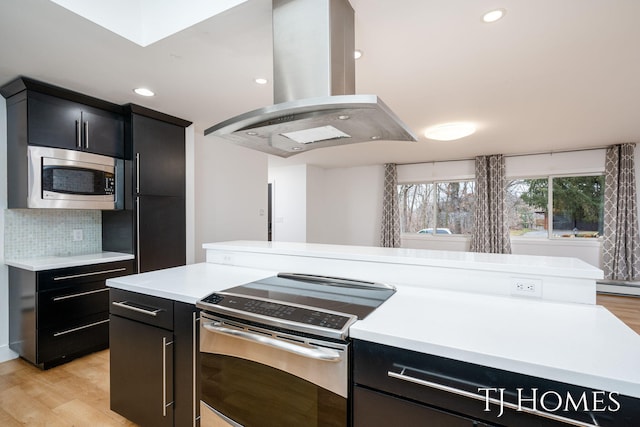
(312, 352)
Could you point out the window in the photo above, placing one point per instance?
(441, 208)
(570, 206)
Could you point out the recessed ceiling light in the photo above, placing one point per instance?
(450, 131)
(143, 91)
(261, 81)
(357, 54)
(493, 15)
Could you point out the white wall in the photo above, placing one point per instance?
(338, 206)
(230, 191)
(353, 206)
(289, 203)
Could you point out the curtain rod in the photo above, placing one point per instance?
(512, 155)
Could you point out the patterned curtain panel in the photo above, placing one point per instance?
(621, 246)
(490, 229)
(390, 233)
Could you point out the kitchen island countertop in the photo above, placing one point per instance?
(581, 344)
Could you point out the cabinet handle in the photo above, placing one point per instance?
(86, 135)
(138, 233)
(138, 173)
(68, 331)
(81, 294)
(123, 304)
(194, 337)
(93, 273)
(78, 135)
(402, 376)
(165, 405)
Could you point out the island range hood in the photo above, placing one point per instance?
(314, 87)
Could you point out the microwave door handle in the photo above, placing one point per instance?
(311, 352)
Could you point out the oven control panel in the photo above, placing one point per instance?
(289, 313)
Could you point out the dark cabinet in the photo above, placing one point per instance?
(161, 232)
(154, 353)
(60, 123)
(153, 224)
(57, 315)
(56, 117)
(424, 389)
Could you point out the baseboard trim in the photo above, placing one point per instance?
(7, 354)
(618, 289)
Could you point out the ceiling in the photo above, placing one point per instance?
(550, 76)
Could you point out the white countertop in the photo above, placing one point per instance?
(522, 264)
(581, 344)
(53, 262)
(574, 343)
(188, 283)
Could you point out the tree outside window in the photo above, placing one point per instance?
(576, 206)
(441, 208)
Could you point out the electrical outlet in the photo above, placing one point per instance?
(77, 235)
(526, 286)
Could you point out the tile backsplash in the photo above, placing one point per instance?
(32, 233)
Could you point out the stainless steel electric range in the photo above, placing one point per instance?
(275, 352)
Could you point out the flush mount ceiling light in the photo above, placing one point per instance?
(143, 91)
(357, 54)
(261, 80)
(493, 15)
(450, 131)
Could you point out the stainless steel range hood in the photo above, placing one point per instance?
(314, 86)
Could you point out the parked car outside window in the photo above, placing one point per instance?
(438, 231)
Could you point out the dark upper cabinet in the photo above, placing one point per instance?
(159, 157)
(60, 118)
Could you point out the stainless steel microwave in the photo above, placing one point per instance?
(68, 179)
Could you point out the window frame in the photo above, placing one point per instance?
(434, 212)
(550, 236)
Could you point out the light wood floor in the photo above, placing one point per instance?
(73, 394)
(626, 308)
(77, 393)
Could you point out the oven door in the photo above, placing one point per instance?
(254, 377)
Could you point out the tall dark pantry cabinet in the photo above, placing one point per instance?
(153, 224)
(152, 339)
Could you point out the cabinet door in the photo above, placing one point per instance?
(161, 232)
(158, 148)
(141, 372)
(60, 123)
(53, 122)
(102, 132)
(372, 409)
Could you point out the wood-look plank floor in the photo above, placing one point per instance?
(625, 308)
(77, 393)
(74, 394)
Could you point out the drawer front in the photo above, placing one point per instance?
(148, 309)
(373, 409)
(79, 337)
(62, 305)
(64, 277)
(438, 382)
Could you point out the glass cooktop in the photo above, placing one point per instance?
(300, 302)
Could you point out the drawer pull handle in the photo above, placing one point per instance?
(123, 304)
(165, 404)
(81, 294)
(68, 331)
(464, 393)
(93, 273)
